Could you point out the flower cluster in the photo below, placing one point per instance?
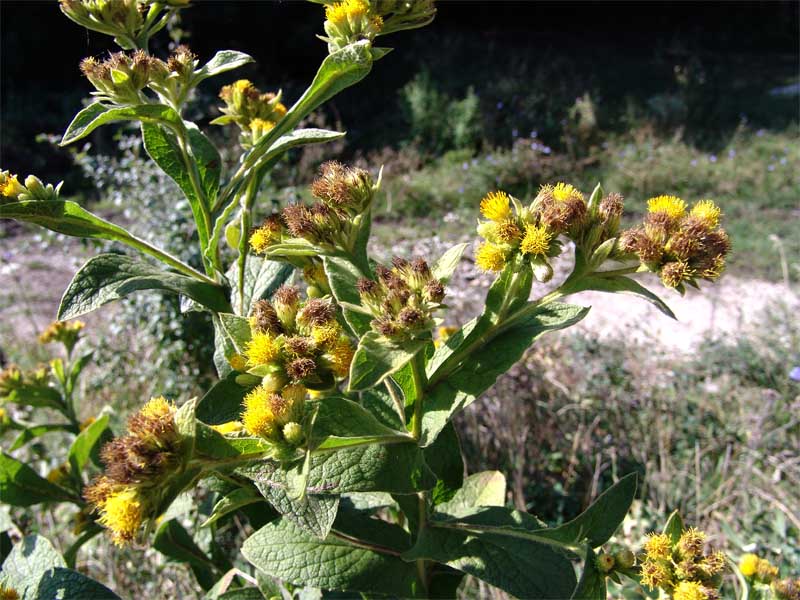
(12, 378)
(136, 467)
(333, 223)
(255, 113)
(122, 77)
(62, 332)
(126, 20)
(681, 246)
(402, 299)
(294, 346)
(682, 568)
(11, 190)
(760, 572)
(514, 231)
(350, 21)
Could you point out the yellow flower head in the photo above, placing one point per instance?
(508, 232)
(267, 234)
(10, 187)
(7, 593)
(496, 206)
(655, 574)
(564, 192)
(674, 273)
(258, 127)
(257, 417)
(58, 474)
(707, 213)
(657, 546)
(713, 563)
(748, 564)
(691, 543)
(341, 357)
(689, 590)
(341, 12)
(157, 408)
(326, 336)
(294, 394)
(229, 427)
(238, 362)
(62, 331)
(123, 513)
(536, 241)
(261, 349)
(490, 257)
(766, 571)
(443, 334)
(242, 86)
(671, 206)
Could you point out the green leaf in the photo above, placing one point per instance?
(392, 468)
(598, 523)
(592, 584)
(361, 526)
(212, 444)
(22, 486)
(42, 396)
(85, 444)
(223, 402)
(520, 566)
(66, 583)
(674, 526)
(109, 277)
(261, 278)
(173, 541)
(487, 488)
(222, 61)
(311, 513)
(380, 404)
(510, 290)
(95, 115)
(67, 217)
(343, 277)
(284, 551)
(376, 358)
(232, 502)
(30, 558)
(446, 265)
(481, 368)
(342, 423)
(236, 331)
(445, 460)
(618, 285)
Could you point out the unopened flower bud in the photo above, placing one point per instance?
(625, 558)
(605, 563)
(293, 433)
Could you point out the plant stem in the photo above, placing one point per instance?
(420, 382)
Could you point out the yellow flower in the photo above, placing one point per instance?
(10, 187)
(443, 334)
(294, 394)
(341, 357)
(674, 273)
(748, 564)
(261, 349)
(658, 545)
(536, 241)
(123, 513)
(672, 206)
(508, 232)
(564, 192)
(341, 12)
(58, 474)
(260, 240)
(238, 362)
(496, 206)
(766, 571)
(229, 427)
(86, 423)
(655, 574)
(490, 257)
(326, 336)
(689, 590)
(257, 417)
(707, 212)
(258, 127)
(157, 408)
(691, 542)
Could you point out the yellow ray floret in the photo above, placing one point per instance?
(564, 192)
(490, 257)
(496, 206)
(257, 417)
(689, 590)
(341, 357)
(536, 241)
(707, 212)
(658, 545)
(123, 514)
(157, 408)
(326, 336)
(261, 349)
(261, 239)
(341, 12)
(672, 206)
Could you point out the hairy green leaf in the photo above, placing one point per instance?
(30, 433)
(376, 358)
(313, 514)
(341, 422)
(86, 443)
(30, 558)
(487, 488)
(95, 115)
(618, 285)
(343, 277)
(173, 541)
(66, 583)
(221, 62)
(284, 551)
(445, 460)
(36, 395)
(592, 584)
(223, 402)
(261, 278)
(232, 502)
(446, 265)
(109, 277)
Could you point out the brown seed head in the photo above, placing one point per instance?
(265, 319)
(316, 312)
(301, 368)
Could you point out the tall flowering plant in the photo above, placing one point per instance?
(330, 429)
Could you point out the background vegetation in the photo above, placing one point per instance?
(700, 100)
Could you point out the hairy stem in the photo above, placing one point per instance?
(420, 382)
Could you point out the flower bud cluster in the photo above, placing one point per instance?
(530, 232)
(350, 21)
(12, 378)
(344, 196)
(402, 299)
(122, 77)
(11, 190)
(682, 568)
(126, 20)
(680, 246)
(136, 468)
(762, 573)
(398, 15)
(254, 112)
(62, 332)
